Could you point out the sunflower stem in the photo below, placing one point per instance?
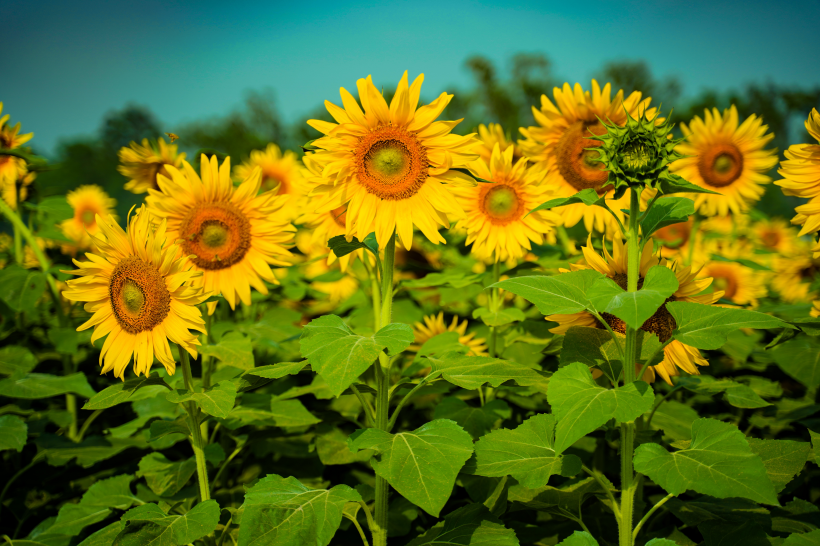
(196, 433)
(569, 248)
(495, 305)
(207, 365)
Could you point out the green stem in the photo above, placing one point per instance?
(563, 238)
(607, 491)
(196, 432)
(18, 247)
(651, 511)
(495, 305)
(71, 401)
(86, 424)
(225, 464)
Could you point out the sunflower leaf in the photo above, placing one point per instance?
(579, 538)
(742, 261)
(499, 317)
(706, 326)
(596, 348)
(340, 246)
(21, 288)
(672, 183)
(736, 394)
(666, 212)
(394, 337)
(13, 433)
(470, 372)
(634, 308)
(123, 392)
(234, 349)
(800, 359)
(783, 459)
(588, 197)
(148, 524)
(40, 385)
(217, 401)
(559, 294)
(473, 524)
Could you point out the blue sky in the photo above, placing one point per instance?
(65, 64)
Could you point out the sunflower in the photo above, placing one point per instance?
(493, 134)
(496, 215)
(794, 275)
(230, 234)
(434, 325)
(774, 235)
(143, 163)
(674, 239)
(392, 167)
(726, 157)
(280, 171)
(322, 228)
(676, 354)
(140, 294)
(815, 308)
(740, 284)
(558, 146)
(88, 202)
(12, 168)
(801, 176)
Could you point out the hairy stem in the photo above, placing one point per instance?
(652, 511)
(196, 433)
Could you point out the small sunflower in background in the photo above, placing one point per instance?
(280, 171)
(793, 275)
(727, 157)
(322, 227)
(493, 134)
(434, 325)
(674, 239)
(140, 293)
(232, 235)
(142, 163)
(801, 176)
(88, 202)
(740, 284)
(815, 308)
(496, 217)
(690, 287)
(13, 169)
(558, 145)
(392, 166)
(773, 235)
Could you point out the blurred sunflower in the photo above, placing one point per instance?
(143, 163)
(794, 275)
(140, 294)
(280, 171)
(676, 354)
(88, 202)
(801, 176)
(740, 284)
(815, 309)
(493, 134)
(230, 234)
(495, 214)
(674, 239)
(13, 169)
(558, 145)
(727, 157)
(774, 235)
(391, 166)
(434, 325)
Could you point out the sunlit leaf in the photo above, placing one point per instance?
(559, 294)
(217, 401)
(706, 326)
(470, 372)
(665, 212)
(634, 308)
(148, 524)
(124, 392)
(40, 385)
(13, 433)
(234, 349)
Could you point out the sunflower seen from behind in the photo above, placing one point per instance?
(89, 202)
(232, 235)
(281, 171)
(140, 293)
(392, 166)
(143, 163)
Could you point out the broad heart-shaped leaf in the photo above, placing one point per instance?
(148, 524)
(736, 394)
(123, 392)
(71, 520)
(21, 288)
(706, 326)
(718, 462)
(234, 349)
(284, 512)
(581, 406)
(559, 294)
(395, 337)
(526, 453)
(595, 347)
(217, 401)
(456, 279)
(800, 359)
(163, 476)
(112, 492)
(579, 538)
(16, 361)
(103, 537)
(665, 212)
(564, 500)
(588, 197)
(423, 464)
(336, 353)
(470, 372)
(471, 525)
(634, 308)
(500, 317)
(40, 385)
(13, 433)
(783, 459)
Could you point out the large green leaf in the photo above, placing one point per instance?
(114, 492)
(332, 448)
(126, 392)
(442, 344)
(499, 317)
(234, 349)
(284, 512)
(783, 459)
(13, 433)
(634, 308)
(71, 520)
(40, 385)
(456, 279)
(394, 337)
(103, 537)
(565, 501)
(21, 288)
(217, 401)
(665, 212)
(588, 197)
(470, 372)
(93, 449)
(471, 525)
(581, 406)
(476, 420)
(148, 524)
(800, 358)
(706, 326)
(718, 462)
(16, 361)
(595, 347)
(282, 413)
(164, 477)
(736, 394)
(564, 293)
(526, 453)
(423, 464)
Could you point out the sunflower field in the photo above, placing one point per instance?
(594, 326)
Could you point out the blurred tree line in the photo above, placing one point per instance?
(498, 96)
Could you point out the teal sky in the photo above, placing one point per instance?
(65, 64)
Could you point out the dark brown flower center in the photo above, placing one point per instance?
(720, 165)
(580, 167)
(218, 235)
(675, 235)
(391, 163)
(139, 296)
(662, 323)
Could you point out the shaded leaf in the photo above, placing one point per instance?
(39, 385)
(21, 288)
(276, 371)
(471, 525)
(706, 326)
(13, 433)
(164, 477)
(16, 361)
(634, 308)
(217, 401)
(124, 392)
(800, 359)
(477, 421)
(234, 349)
(148, 524)
(499, 317)
(470, 372)
(783, 459)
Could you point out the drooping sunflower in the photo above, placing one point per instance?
(493, 134)
(434, 325)
(558, 145)
(496, 215)
(230, 234)
(676, 354)
(88, 202)
(801, 176)
(392, 166)
(280, 171)
(142, 163)
(12, 168)
(727, 157)
(141, 295)
(794, 274)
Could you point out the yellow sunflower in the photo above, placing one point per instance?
(674, 239)
(143, 163)
(434, 325)
(558, 146)
(740, 284)
(676, 354)
(493, 134)
(495, 214)
(323, 227)
(280, 171)
(801, 176)
(230, 234)
(815, 309)
(392, 166)
(13, 169)
(725, 156)
(140, 294)
(774, 235)
(88, 202)
(794, 275)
